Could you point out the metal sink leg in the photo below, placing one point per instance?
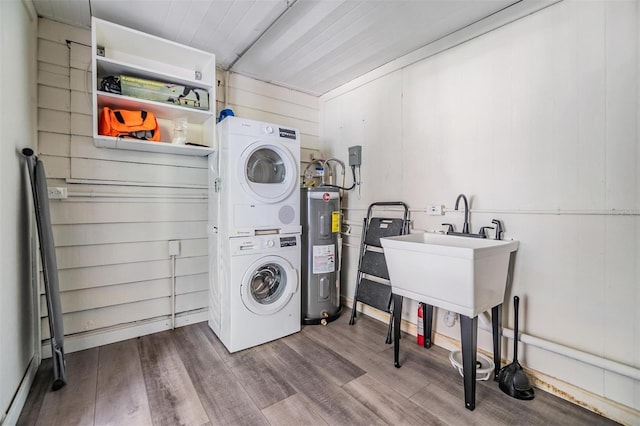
(397, 317)
(469, 334)
(427, 323)
(496, 320)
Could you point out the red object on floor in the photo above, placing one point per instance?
(420, 326)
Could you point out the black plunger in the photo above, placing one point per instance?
(512, 379)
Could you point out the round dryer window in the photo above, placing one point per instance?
(266, 166)
(268, 173)
(267, 285)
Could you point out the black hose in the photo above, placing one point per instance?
(353, 185)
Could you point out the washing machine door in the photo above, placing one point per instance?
(268, 172)
(268, 285)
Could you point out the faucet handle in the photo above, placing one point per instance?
(482, 233)
(499, 228)
(450, 227)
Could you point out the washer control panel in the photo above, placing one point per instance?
(288, 241)
(264, 243)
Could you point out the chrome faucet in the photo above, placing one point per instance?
(465, 227)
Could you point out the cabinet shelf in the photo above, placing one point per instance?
(160, 109)
(118, 50)
(162, 147)
(112, 67)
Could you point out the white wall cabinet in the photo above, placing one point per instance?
(117, 50)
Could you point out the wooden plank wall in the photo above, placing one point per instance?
(112, 232)
(262, 101)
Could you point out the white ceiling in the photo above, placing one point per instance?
(309, 45)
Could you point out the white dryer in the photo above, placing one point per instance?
(259, 166)
(257, 295)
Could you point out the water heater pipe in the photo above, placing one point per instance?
(315, 161)
(595, 360)
(326, 165)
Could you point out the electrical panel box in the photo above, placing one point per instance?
(355, 155)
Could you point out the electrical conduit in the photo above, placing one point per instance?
(595, 360)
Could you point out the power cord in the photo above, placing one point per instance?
(353, 185)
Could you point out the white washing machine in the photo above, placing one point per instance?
(257, 296)
(258, 180)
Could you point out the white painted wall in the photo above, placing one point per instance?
(537, 123)
(17, 241)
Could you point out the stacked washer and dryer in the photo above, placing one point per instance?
(254, 235)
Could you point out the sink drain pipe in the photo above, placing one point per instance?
(595, 360)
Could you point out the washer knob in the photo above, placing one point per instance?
(271, 243)
(268, 130)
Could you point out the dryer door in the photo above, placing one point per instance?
(268, 285)
(268, 172)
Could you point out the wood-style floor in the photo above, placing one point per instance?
(338, 374)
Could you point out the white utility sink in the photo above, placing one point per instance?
(461, 274)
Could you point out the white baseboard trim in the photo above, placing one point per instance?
(23, 391)
(588, 400)
(123, 332)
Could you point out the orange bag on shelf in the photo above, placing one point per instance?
(129, 124)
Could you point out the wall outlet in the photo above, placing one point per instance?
(57, 193)
(450, 318)
(435, 210)
(174, 247)
(355, 155)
